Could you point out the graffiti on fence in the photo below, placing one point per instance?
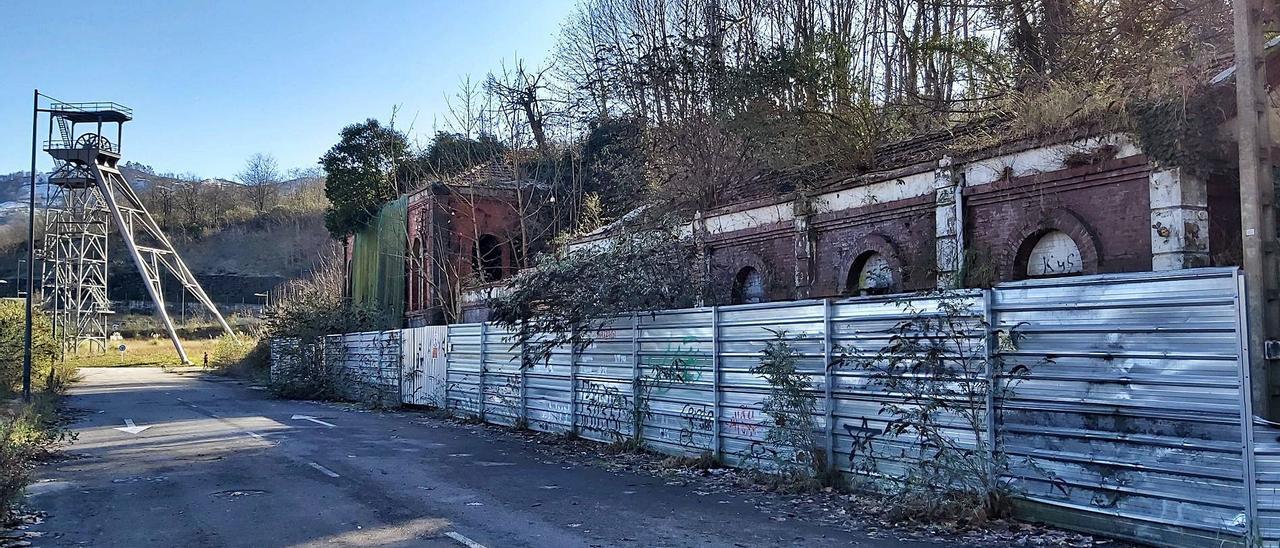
(743, 423)
(861, 456)
(757, 455)
(604, 407)
(678, 363)
(506, 394)
(698, 420)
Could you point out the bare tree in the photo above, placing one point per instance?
(523, 91)
(261, 177)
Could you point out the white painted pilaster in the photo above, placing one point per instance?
(948, 231)
(1179, 220)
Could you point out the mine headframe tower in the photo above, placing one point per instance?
(86, 193)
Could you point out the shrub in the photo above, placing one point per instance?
(935, 456)
(44, 350)
(239, 355)
(797, 456)
(565, 300)
(28, 433)
(302, 313)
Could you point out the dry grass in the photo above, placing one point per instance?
(146, 353)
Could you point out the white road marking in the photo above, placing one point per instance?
(256, 435)
(463, 540)
(131, 428)
(491, 463)
(312, 419)
(324, 470)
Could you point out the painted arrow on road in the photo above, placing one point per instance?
(131, 428)
(312, 419)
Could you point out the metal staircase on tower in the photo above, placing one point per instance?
(85, 195)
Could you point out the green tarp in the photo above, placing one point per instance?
(377, 263)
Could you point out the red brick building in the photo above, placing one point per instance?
(1092, 204)
(473, 231)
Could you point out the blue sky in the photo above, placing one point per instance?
(214, 82)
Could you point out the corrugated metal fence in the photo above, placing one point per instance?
(1119, 400)
(369, 363)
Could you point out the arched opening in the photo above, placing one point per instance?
(748, 287)
(1054, 254)
(487, 259)
(870, 274)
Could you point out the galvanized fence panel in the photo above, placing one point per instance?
(1267, 468)
(1117, 398)
(423, 365)
(603, 380)
(744, 331)
(863, 332)
(502, 377)
(368, 363)
(462, 390)
(676, 381)
(547, 392)
(1127, 414)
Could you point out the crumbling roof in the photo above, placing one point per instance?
(496, 171)
(1230, 71)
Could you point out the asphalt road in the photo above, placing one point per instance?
(216, 463)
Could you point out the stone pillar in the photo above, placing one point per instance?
(948, 229)
(1179, 220)
(804, 243)
(698, 231)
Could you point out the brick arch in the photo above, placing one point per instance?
(1017, 249)
(871, 243)
(734, 264)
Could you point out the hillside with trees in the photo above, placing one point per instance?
(692, 104)
(242, 237)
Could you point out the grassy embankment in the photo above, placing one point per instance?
(29, 432)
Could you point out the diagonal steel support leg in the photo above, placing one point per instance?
(144, 269)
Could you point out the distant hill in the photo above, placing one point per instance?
(235, 250)
(15, 189)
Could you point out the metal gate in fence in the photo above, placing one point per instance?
(423, 356)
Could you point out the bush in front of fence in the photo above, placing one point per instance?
(302, 313)
(940, 382)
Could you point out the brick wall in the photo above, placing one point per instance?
(902, 232)
(769, 250)
(448, 223)
(1105, 208)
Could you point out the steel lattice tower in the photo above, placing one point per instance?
(87, 194)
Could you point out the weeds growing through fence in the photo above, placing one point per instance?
(302, 313)
(798, 457)
(939, 379)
